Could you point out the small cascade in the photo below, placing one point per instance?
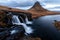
(27, 21)
(16, 21)
(17, 26)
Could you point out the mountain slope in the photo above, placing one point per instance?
(37, 10)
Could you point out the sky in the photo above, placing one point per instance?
(52, 5)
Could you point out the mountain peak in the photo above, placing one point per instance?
(38, 7)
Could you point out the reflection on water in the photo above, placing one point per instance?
(48, 21)
(52, 17)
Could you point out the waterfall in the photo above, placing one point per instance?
(27, 21)
(13, 31)
(15, 20)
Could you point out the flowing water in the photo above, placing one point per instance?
(16, 21)
(27, 22)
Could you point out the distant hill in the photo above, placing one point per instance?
(37, 10)
(10, 9)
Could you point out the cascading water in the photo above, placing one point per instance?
(16, 21)
(17, 26)
(27, 22)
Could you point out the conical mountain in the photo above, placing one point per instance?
(37, 7)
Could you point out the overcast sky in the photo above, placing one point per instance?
(53, 5)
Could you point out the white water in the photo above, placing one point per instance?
(27, 22)
(15, 20)
(13, 31)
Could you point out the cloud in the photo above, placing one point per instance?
(40, 0)
(51, 5)
(23, 8)
(5, 1)
(26, 4)
(52, 1)
(17, 3)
